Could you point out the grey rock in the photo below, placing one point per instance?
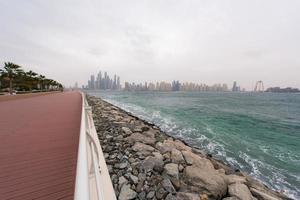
(196, 160)
(127, 193)
(150, 195)
(133, 178)
(123, 165)
(161, 193)
(126, 130)
(119, 137)
(163, 148)
(151, 163)
(240, 191)
(142, 195)
(158, 155)
(148, 164)
(166, 183)
(176, 156)
(231, 198)
(142, 178)
(170, 197)
(138, 137)
(232, 178)
(122, 180)
(171, 169)
(211, 181)
(263, 195)
(187, 196)
(150, 133)
(143, 148)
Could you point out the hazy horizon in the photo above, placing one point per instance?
(142, 40)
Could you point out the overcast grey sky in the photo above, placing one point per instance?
(205, 41)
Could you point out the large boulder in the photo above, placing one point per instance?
(158, 155)
(169, 144)
(263, 195)
(163, 148)
(150, 133)
(142, 148)
(176, 156)
(196, 160)
(232, 178)
(209, 182)
(151, 163)
(240, 191)
(138, 137)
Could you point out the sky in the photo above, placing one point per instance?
(202, 41)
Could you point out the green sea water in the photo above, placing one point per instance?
(258, 133)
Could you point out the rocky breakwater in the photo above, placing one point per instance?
(146, 163)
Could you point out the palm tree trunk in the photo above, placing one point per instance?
(10, 86)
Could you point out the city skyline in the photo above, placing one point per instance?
(175, 85)
(104, 82)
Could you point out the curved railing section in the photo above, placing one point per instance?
(92, 178)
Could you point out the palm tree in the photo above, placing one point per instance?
(41, 80)
(10, 72)
(32, 79)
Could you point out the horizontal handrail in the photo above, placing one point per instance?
(82, 176)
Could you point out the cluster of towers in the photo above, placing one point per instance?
(174, 86)
(104, 82)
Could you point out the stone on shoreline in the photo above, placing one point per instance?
(241, 191)
(127, 193)
(166, 183)
(171, 169)
(195, 160)
(138, 137)
(208, 181)
(176, 156)
(187, 196)
(232, 178)
(263, 196)
(126, 130)
(143, 148)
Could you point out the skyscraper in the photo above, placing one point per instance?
(92, 82)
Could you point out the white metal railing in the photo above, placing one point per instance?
(92, 178)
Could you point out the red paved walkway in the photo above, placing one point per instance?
(38, 146)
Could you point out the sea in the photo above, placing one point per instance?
(258, 133)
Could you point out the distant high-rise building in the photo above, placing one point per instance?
(92, 82)
(118, 83)
(235, 88)
(175, 86)
(259, 87)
